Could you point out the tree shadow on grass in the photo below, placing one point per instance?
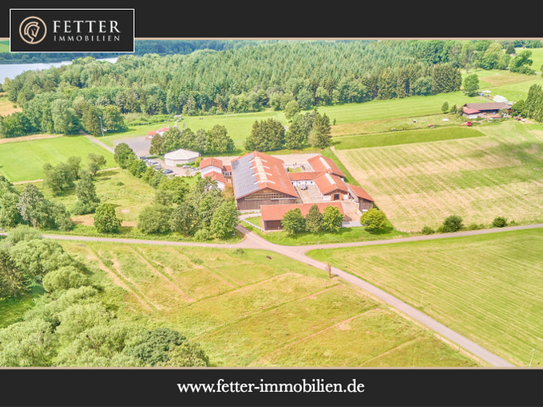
(108, 173)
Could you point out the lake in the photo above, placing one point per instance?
(12, 70)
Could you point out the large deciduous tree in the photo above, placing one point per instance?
(471, 84)
(293, 222)
(225, 220)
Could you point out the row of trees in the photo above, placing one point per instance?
(214, 141)
(53, 113)
(293, 221)
(305, 128)
(71, 325)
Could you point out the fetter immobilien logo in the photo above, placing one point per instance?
(72, 30)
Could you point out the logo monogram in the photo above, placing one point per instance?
(32, 30)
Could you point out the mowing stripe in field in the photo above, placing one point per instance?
(405, 137)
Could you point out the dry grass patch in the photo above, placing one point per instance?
(29, 138)
(225, 309)
(249, 340)
(478, 178)
(6, 107)
(370, 337)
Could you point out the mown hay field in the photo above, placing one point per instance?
(420, 184)
(395, 108)
(23, 161)
(486, 287)
(246, 309)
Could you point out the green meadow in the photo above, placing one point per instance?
(258, 308)
(487, 287)
(406, 137)
(23, 161)
(238, 126)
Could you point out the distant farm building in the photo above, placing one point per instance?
(260, 179)
(474, 110)
(180, 157)
(273, 214)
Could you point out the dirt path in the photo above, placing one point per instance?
(253, 241)
(94, 141)
(29, 138)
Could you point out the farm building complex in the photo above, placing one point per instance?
(263, 183)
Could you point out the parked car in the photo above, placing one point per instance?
(143, 158)
(186, 166)
(168, 171)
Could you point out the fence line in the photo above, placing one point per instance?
(253, 225)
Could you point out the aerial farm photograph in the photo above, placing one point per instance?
(273, 203)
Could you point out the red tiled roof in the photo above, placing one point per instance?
(272, 174)
(361, 193)
(227, 168)
(276, 212)
(299, 176)
(151, 133)
(486, 106)
(210, 161)
(216, 176)
(470, 111)
(325, 164)
(164, 129)
(328, 183)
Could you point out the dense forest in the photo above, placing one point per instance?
(242, 79)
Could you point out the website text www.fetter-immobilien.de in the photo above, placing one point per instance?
(303, 386)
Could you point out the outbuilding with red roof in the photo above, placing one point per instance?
(361, 197)
(325, 164)
(273, 214)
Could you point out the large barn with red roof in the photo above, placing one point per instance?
(260, 179)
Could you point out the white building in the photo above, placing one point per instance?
(180, 157)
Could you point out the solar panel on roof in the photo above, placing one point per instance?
(243, 174)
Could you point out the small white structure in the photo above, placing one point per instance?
(500, 99)
(180, 157)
